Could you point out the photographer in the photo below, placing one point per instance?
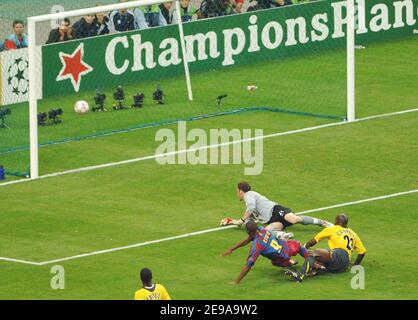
(138, 100)
(99, 100)
(119, 97)
(119, 94)
(215, 8)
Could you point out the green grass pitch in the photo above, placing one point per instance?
(84, 212)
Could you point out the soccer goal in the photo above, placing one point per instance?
(262, 64)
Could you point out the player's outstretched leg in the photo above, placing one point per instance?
(306, 220)
(276, 229)
(319, 222)
(313, 262)
(305, 269)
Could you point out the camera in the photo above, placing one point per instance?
(3, 114)
(138, 100)
(159, 96)
(119, 97)
(99, 100)
(220, 98)
(42, 117)
(54, 114)
(119, 94)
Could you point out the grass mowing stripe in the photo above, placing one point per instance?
(186, 235)
(169, 122)
(119, 163)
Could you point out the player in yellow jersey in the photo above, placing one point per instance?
(342, 241)
(150, 291)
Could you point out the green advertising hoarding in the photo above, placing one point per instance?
(216, 43)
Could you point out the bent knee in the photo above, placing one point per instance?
(292, 218)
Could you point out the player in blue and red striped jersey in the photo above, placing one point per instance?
(265, 244)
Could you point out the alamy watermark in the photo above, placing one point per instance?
(358, 281)
(218, 146)
(58, 279)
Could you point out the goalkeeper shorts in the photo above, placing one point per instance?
(278, 215)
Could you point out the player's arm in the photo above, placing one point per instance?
(359, 259)
(243, 273)
(245, 216)
(360, 249)
(165, 295)
(240, 244)
(310, 243)
(326, 233)
(251, 205)
(252, 258)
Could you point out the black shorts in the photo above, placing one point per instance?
(339, 261)
(278, 215)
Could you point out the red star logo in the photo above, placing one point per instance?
(73, 67)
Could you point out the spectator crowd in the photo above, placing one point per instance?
(142, 17)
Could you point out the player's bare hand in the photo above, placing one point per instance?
(227, 253)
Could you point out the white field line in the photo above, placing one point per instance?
(360, 201)
(155, 156)
(20, 261)
(136, 245)
(142, 244)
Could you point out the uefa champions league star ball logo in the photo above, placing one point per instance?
(18, 77)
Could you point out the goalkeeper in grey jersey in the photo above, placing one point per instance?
(271, 213)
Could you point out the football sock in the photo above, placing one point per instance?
(309, 220)
(307, 265)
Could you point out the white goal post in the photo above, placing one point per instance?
(33, 95)
(351, 35)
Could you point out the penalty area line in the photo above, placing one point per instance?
(156, 156)
(20, 261)
(147, 243)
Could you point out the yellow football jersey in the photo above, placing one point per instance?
(341, 238)
(157, 292)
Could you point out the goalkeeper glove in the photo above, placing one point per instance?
(230, 221)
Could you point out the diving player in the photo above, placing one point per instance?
(267, 245)
(268, 212)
